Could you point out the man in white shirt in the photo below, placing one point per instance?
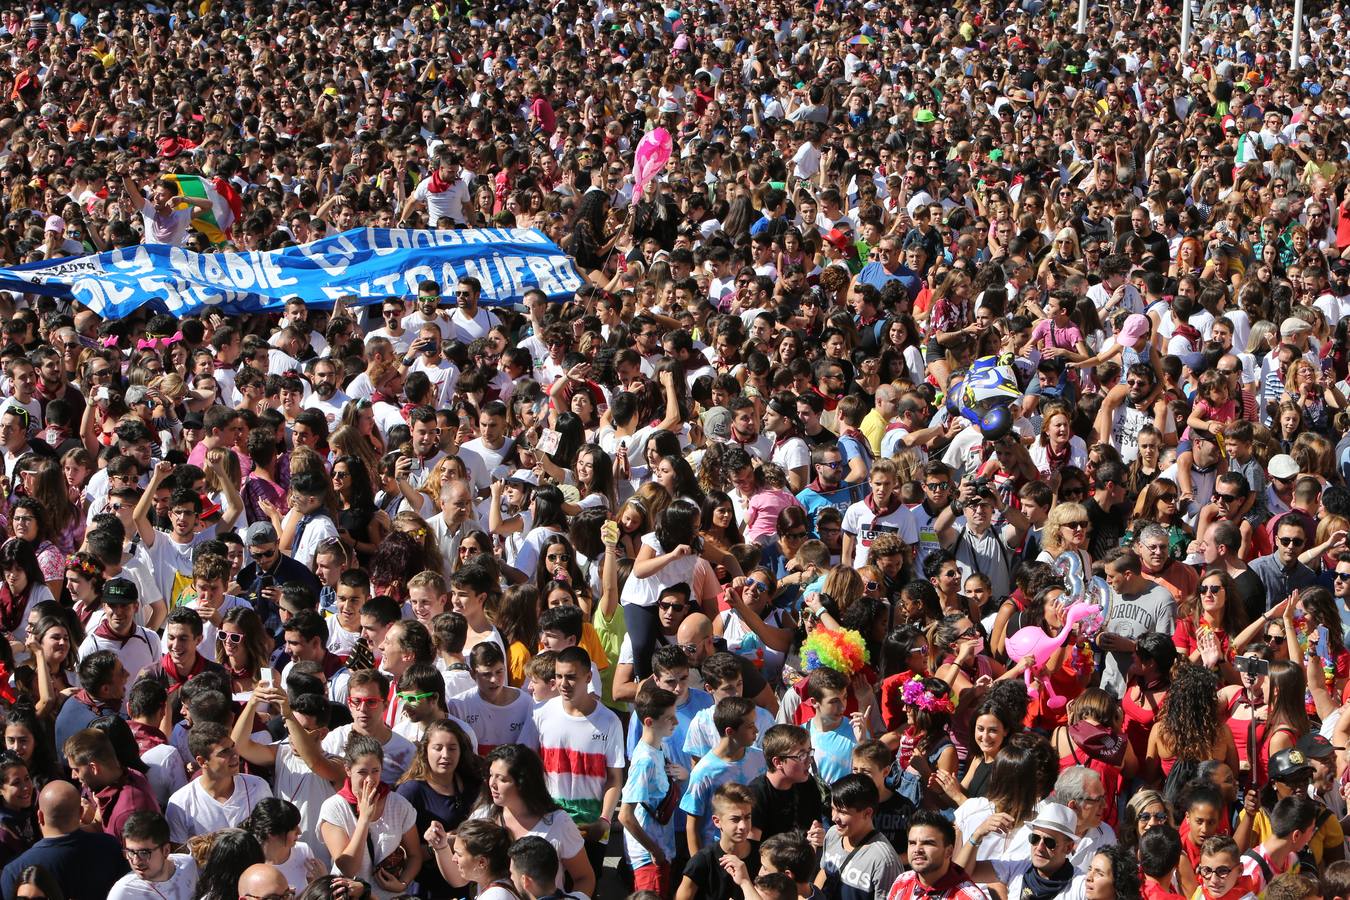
(468, 320)
(137, 647)
(445, 193)
(156, 874)
(429, 312)
(430, 360)
(221, 797)
(392, 312)
(326, 397)
(367, 696)
(486, 452)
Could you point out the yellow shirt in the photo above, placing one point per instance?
(1329, 835)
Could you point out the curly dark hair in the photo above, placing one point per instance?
(1188, 714)
(1124, 870)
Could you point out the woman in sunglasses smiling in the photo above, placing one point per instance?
(752, 627)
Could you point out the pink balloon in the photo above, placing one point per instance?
(652, 153)
(1033, 641)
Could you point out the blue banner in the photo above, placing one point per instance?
(361, 266)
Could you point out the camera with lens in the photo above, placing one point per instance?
(982, 487)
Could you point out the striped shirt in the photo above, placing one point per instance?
(577, 752)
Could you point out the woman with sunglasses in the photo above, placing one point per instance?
(753, 627)
(1146, 809)
(442, 784)
(359, 524)
(1160, 504)
(1066, 533)
(241, 647)
(1073, 486)
(1211, 622)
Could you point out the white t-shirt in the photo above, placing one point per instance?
(319, 529)
(1077, 455)
(167, 772)
(386, 832)
(467, 329)
(181, 885)
(480, 460)
(294, 867)
(137, 653)
(398, 753)
(793, 454)
(193, 811)
(299, 784)
(331, 408)
(448, 203)
(645, 591)
(557, 828)
(864, 524)
(493, 725)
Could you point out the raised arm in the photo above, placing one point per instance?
(141, 515)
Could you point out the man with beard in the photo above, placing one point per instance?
(933, 874)
(52, 384)
(1048, 874)
(326, 398)
(469, 322)
(744, 432)
(1123, 420)
(428, 312)
(828, 488)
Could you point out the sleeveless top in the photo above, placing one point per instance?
(1245, 735)
(1138, 723)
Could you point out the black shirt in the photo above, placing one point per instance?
(892, 820)
(826, 436)
(1108, 527)
(705, 870)
(1252, 592)
(779, 811)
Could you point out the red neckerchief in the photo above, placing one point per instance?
(1245, 885)
(819, 488)
(147, 736)
(104, 631)
(98, 707)
(235, 673)
(830, 402)
(177, 679)
(955, 878)
(737, 438)
(382, 397)
(85, 613)
(11, 608)
(346, 793)
(438, 185)
(332, 664)
(1057, 458)
(891, 507)
(1189, 332)
(778, 442)
(222, 365)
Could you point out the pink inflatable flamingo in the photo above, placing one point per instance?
(1033, 641)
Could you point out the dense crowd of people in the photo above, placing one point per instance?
(938, 488)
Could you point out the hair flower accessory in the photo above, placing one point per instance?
(915, 694)
(844, 651)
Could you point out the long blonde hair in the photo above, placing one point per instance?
(1059, 514)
